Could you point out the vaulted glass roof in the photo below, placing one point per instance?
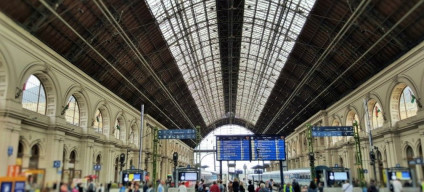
(191, 30)
(270, 29)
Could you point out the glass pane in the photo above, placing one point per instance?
(266, 43)
(377, 116)
(72, 111)
(407, 104)
(33, 96)
(117, 129)
(98, 122)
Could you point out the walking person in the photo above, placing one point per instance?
(296, 186)
(347, 187)
(312, 187)
(250, 187)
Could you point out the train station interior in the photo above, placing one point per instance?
(85, 85)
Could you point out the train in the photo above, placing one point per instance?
(302, 176)
(209, 177)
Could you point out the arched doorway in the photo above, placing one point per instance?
(410, 157)
(71, 165)
(98, 162)
(20, 152)
(35, 156)
(380, 165)
(116, 169)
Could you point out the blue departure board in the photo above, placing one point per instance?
(268, 147)
(233, 148)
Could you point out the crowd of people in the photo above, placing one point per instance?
(217, 186)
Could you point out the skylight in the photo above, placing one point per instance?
(191, 30)
(270, 29)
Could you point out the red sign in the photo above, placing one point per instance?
(13, 170)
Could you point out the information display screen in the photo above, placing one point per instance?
(233, 148)
(187, 176)
(268, 147)
(340, 176)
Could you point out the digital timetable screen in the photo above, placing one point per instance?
(268, 147)
(233, 148)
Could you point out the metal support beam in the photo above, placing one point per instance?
(358, 154)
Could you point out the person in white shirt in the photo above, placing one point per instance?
(397, 185)
(182, 188)
(347, 187)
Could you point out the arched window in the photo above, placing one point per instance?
(72, 114)
(20, 150)
(35, 155)
(98, 122)
(98, 162)
(131, 137)
(407, 104)
(377, 115)
(117, 129)
(34, 95)
(72, 157)
(351, 118)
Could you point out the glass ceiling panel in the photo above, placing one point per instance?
(270, 29)
(191, 31)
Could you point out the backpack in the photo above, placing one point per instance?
(91, 187)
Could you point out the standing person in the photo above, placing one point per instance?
(221, 186)
(347, 187)
(101, 188)
(91, 186)
(262, 188)
(108, 186)
(320, 187)
(270, 184)
(214, 187)
(296, 186)
(241, 188)
(121, 187)
(230, 186)
(150, 189)
(160, 186)
(182, 188)
(312, 187)
(145, 187)
(372, 187)
(287, 188)
(250, 188)
(236, 185)
(397, 185)
(136, 187)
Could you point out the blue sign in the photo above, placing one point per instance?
(56, 164)
(233, 148)
(419, 161)
(332, 131)
(336, 165)
(268, 147)
(9, 151)
(177, 134)
(6, 186)
(97, 167)
(19, 186)
(239, 171)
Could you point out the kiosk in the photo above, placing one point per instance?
(336, 176)
(402, 173)
(132, 174)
